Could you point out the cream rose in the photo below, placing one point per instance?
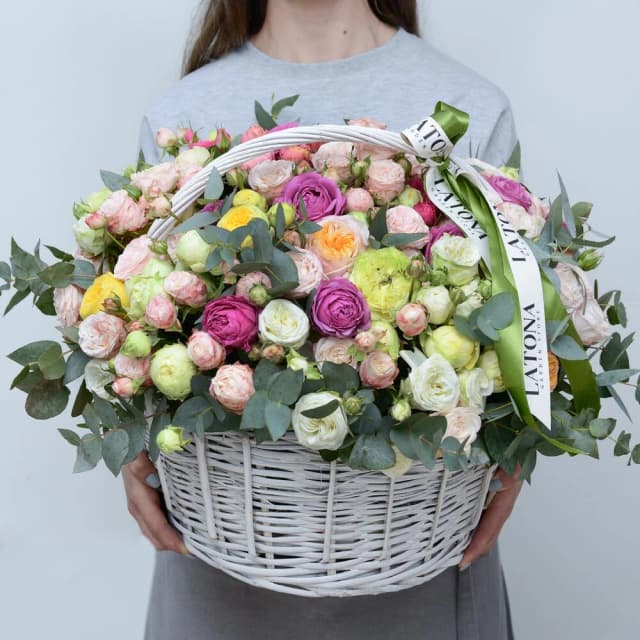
(463, 424)
(457, 255)
(475, 387)
(319, 433)
(97, 376)
(100, 335)
(385, 180)
(269, 177)
(283, 322)
(310, 272)
(437, 302)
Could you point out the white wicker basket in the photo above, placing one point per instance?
(275, 515)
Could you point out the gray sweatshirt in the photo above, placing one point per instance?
(397, 83)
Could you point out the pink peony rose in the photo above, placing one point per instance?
(232, 386)
(385, 180)
(251, 280)
(232, 321)
(161, 313)
(378, 370)
(336, 350)
(359, 200)
(510, 191)
(403, 219)
(132, 367)
(122, 213)
(310, 272)
(66, 302)
(334, 159)
(187, 288)
(427, 211)
(187, 174)
(269, 177)
(412, 319)
(134, 258)
(101, 335)
(155, 181)
(296, 153)
(340, 241)
(521, 220)
(205, 352)
(591, 323)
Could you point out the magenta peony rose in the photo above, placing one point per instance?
(437, 232)
(232, 321)
(511, 191)
(427, 211)
(339, 309)
(321, 196)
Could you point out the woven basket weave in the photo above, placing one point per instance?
(275, 515)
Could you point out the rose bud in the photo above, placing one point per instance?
(171, 439)
(206, 352)
(136, 345)
(166, 138)
(358, 199)
(292, 237)
(236, 178)
(95, 220)
(249, 197)
(353, 405)
(412, 319)
(253, 287)
(273, 352)
(418, 267)
(126, 387)
(288, 210)
(304, 166)
(366, 341)
(255, 353)
(409, 197)
(405, 163)
(161, 313)
(589, 259)
(401, 410)
(378, 370)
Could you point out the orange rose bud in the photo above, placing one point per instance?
(554, 366)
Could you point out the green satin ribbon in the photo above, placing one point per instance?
(509, 347)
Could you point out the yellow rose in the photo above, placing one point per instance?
(246, 197)
(240, 216)
(103, 287)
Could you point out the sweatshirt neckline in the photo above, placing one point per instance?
(380, 51)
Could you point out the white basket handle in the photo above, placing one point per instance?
(239, 154)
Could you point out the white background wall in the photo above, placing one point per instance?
(76, 77)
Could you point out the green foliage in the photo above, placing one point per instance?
(372, 451)
(215, 186)
(263, 117)
(114, 181)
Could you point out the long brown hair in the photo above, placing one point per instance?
(225, 25)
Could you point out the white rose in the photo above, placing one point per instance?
(284, 322)
(459, 256)
(475, 386)
(97, 376)
(592, 324)
(269, 177)
(463, 424)
(437, 302)
(336, 350)
(319, 433)
(432, 382)
(197, 156)
(310, 272)
(402, 465)
(472, 302)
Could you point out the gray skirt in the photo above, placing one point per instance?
(192, 601)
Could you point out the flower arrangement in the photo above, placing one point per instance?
(328, 288)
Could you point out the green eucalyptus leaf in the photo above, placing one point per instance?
(75, 365)
(340, 377)
(307, 227)
(401, 437)
(602, 427)
(51, 363)
(44, 302)
(499, 311)
(106, 412)
(622, 444)
(83, 273)
(70, 436)
(30, 353)
(89, 453)
(263, 117)
(197, 221)
(114, 181)
(253, 414)
(194, 414)
(263, 373)
(285, 386)
(401, 239)
(57, 275)
(47, 399)
(278, 419)
(215, 186)
(115, 447)
(635, 454)
(566, 348)
(614, 376)
(372, 451)
(378, 227)
(279, 105)
(83, 397)
(317, 413)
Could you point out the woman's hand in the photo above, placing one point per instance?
(493, 518)
(144, 502)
